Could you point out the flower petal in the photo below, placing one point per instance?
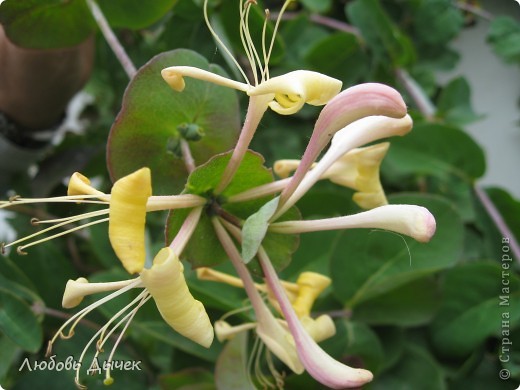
(292, 90)
(127, 218)
(165, 282)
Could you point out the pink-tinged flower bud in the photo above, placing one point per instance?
(370, 99)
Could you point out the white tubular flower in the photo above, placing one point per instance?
(411, 220)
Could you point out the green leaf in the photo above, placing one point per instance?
(318, 6)
(367, 264)
(132, 14)
(412, 304)
(454, 104)
(204, 248)
(504, 36)
(161, 331)
(382, 36)
(255, 229)
(231, 370)
(18, 322)
(363, 342)
(478, 297)
(9, 353)
(436, 22)
(13, 279)
(192, 379)
(417, 369)
(152, 111)
(338, 55)
(437, 150)
(46, 24)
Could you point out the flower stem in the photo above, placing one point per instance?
(187, 156)
(111, 39)
(186, 231)
(497, 218)
(255, 112)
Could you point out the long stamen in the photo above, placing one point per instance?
(79, 315)
(58, 199)
(21, 248)
(128, 318)
(284, 7)
(265, 69)
(256, 58)
(222, 45)
(102, 332)
(74, 218)
(245, 37)
(260, 191)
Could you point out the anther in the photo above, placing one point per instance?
(99, 346)
(68, 336)
(20, 251)
(35, 221)
(2, 248)
(14, 198)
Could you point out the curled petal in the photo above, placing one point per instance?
(292, 90)
(80, 185)
(127, 218)
(76, 290)
(174, 76)
(165, 282)
(414, 221)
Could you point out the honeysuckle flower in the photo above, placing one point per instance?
(320, 365)
(351, 106)
(285, 94)
(128, 204)
(357, 169)
(164, 282)
(411, 220)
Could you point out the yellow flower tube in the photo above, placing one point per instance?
(165, 282)
(127, 218)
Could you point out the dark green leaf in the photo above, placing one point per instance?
(338, 55)
(504, 36)
(132, 14)
(13, 279)
(319, 6)
(45, 24)
(436, 22)
(363, 342)
(192, 379)
(389, 260)
(151, 113)
(416, 369)
(454, 104)
(412, 304)
(478, 297)
(18, 322)
(437, 150)
(380, 33)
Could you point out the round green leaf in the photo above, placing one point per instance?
(151, 113)
(478, 297)
(204, 248)
(18, 322)
(135, 14)
(366, 264)
(437, 150)
(46, 24)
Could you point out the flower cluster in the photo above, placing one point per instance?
(349, 120)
